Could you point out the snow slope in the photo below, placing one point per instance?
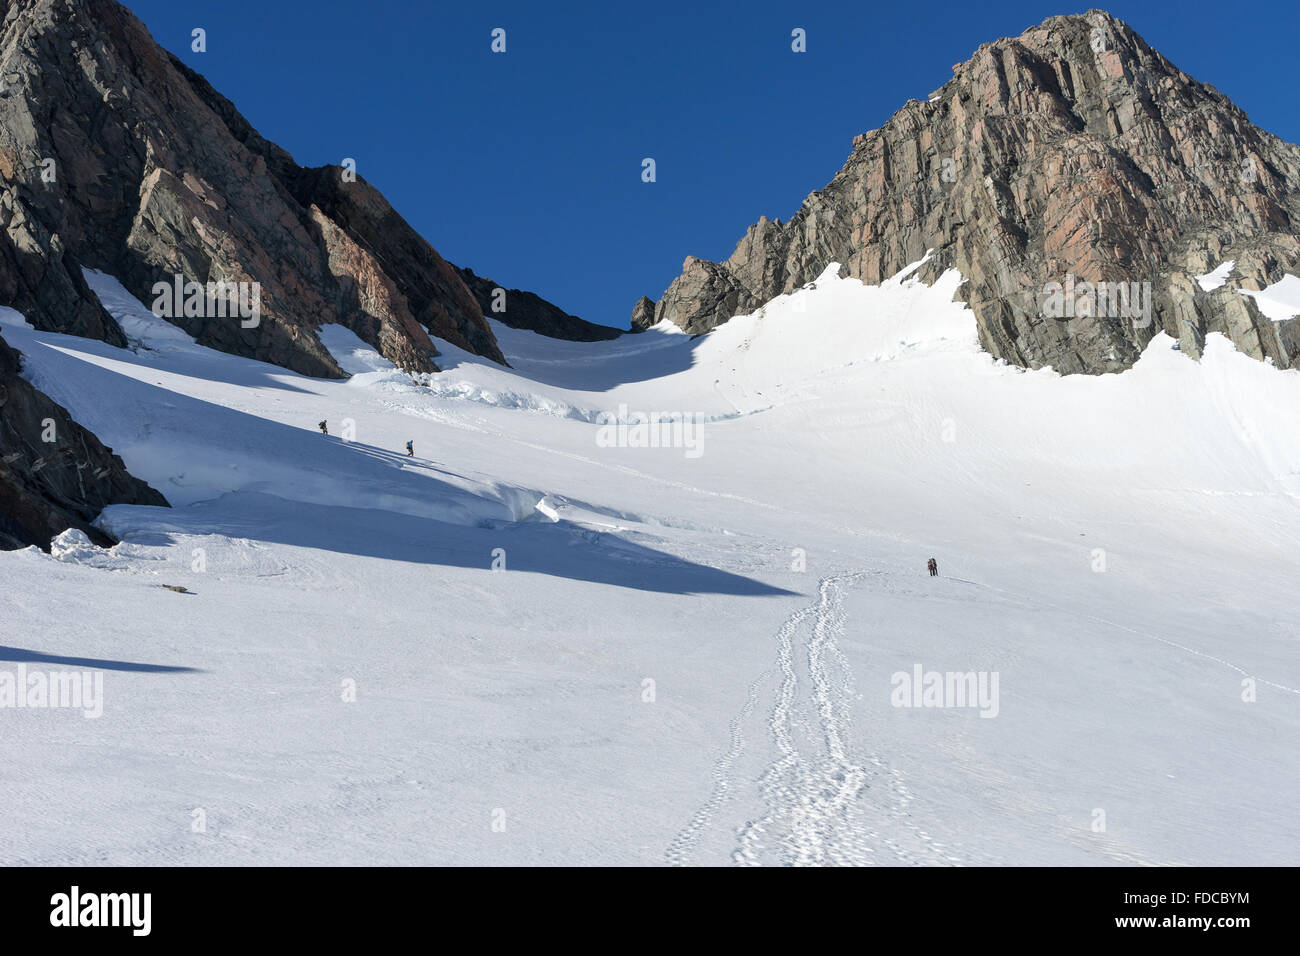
(677, 659)
(1279, 301)
(1216, 277)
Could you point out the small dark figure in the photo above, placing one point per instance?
(410, 449)
(323, 429)
(933, 566)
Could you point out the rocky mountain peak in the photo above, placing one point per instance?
(116, 156)
(1073, 153)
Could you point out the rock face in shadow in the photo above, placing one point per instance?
(1074, 152)
(54, 474)
(115, 156)
(527, 310)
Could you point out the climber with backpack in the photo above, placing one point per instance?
(324, 429)
(410, 449)
(933, 567)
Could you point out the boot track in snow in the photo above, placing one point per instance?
(816, 787)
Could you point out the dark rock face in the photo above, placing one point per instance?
(1073, 150)
(116, 156)
(527, 310)
(643, 314)
(49, 486)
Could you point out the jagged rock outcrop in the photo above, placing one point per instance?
(115, 156)
(527, 310)
(1073, 150)
(435, 297)
(643, 314)
(54, 474)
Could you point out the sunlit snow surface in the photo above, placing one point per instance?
(680, 659)
(1217, 277)
(1280, 301)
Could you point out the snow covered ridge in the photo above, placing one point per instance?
(141, 326)
(1280, 301)
(747, 366)
(13, 318)
(466, 631)
(1215, 278)
(193, 420)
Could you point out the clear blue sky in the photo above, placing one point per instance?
(526, 166)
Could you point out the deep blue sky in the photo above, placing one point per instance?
(526, 166)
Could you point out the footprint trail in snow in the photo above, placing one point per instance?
(826, 800)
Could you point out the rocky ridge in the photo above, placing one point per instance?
(1074, 152)
(54, 474)
(116, 156)
(527, 310)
